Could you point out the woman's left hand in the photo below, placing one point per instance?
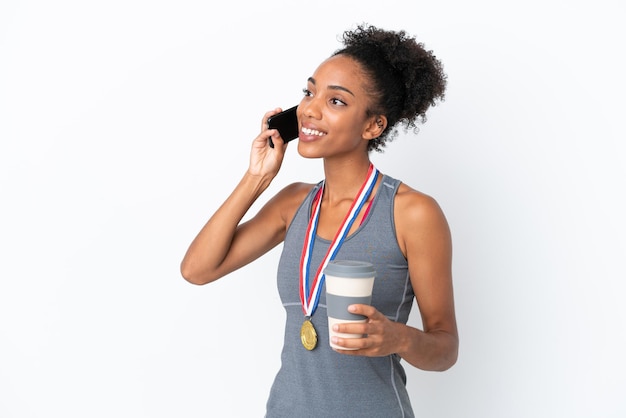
(382, 335)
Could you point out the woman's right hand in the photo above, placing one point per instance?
(265, 161)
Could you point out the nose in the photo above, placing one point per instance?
(310, 108)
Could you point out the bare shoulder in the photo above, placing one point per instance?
(289, 199)
(293, 193)
(415, 204)
(418, 218)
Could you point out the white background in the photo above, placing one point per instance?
(124, 124)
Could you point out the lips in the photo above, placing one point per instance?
(314, 132)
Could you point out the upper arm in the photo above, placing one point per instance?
(424, 237)
(266, 229)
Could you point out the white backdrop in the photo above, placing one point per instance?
(124, 124)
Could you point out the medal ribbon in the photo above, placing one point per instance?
(310, 292)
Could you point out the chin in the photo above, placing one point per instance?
(307, 152)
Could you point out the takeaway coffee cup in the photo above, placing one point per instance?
(347, 282)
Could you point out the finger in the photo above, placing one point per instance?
(349, 345)
(365, 310)
(263, 138)
(266, 116)
(357, 328)
(276, 140)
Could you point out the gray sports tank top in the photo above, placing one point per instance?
(323, 383)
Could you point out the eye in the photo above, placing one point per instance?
(337, 102)
(307, 92)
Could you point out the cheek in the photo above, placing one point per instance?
(346, 128)
(351, 134)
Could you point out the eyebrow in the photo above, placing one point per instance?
(332, 87)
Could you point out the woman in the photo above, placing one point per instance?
(353, 104)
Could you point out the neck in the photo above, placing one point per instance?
(344, 179)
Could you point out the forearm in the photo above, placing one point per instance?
(211, 246)
(436, 350)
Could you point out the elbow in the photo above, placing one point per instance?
(448, 362)
(450, 358)
(192, 276)
(443, 357)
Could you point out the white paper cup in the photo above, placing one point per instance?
(347, 282)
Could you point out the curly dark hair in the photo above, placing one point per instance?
(406, 79)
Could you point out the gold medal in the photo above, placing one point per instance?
(308, 334)
(310, 287)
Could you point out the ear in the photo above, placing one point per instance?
(374, 127)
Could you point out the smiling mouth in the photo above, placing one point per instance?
(308, 131)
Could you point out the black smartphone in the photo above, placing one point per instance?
(286, 122)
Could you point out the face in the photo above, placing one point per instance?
(332, 113)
